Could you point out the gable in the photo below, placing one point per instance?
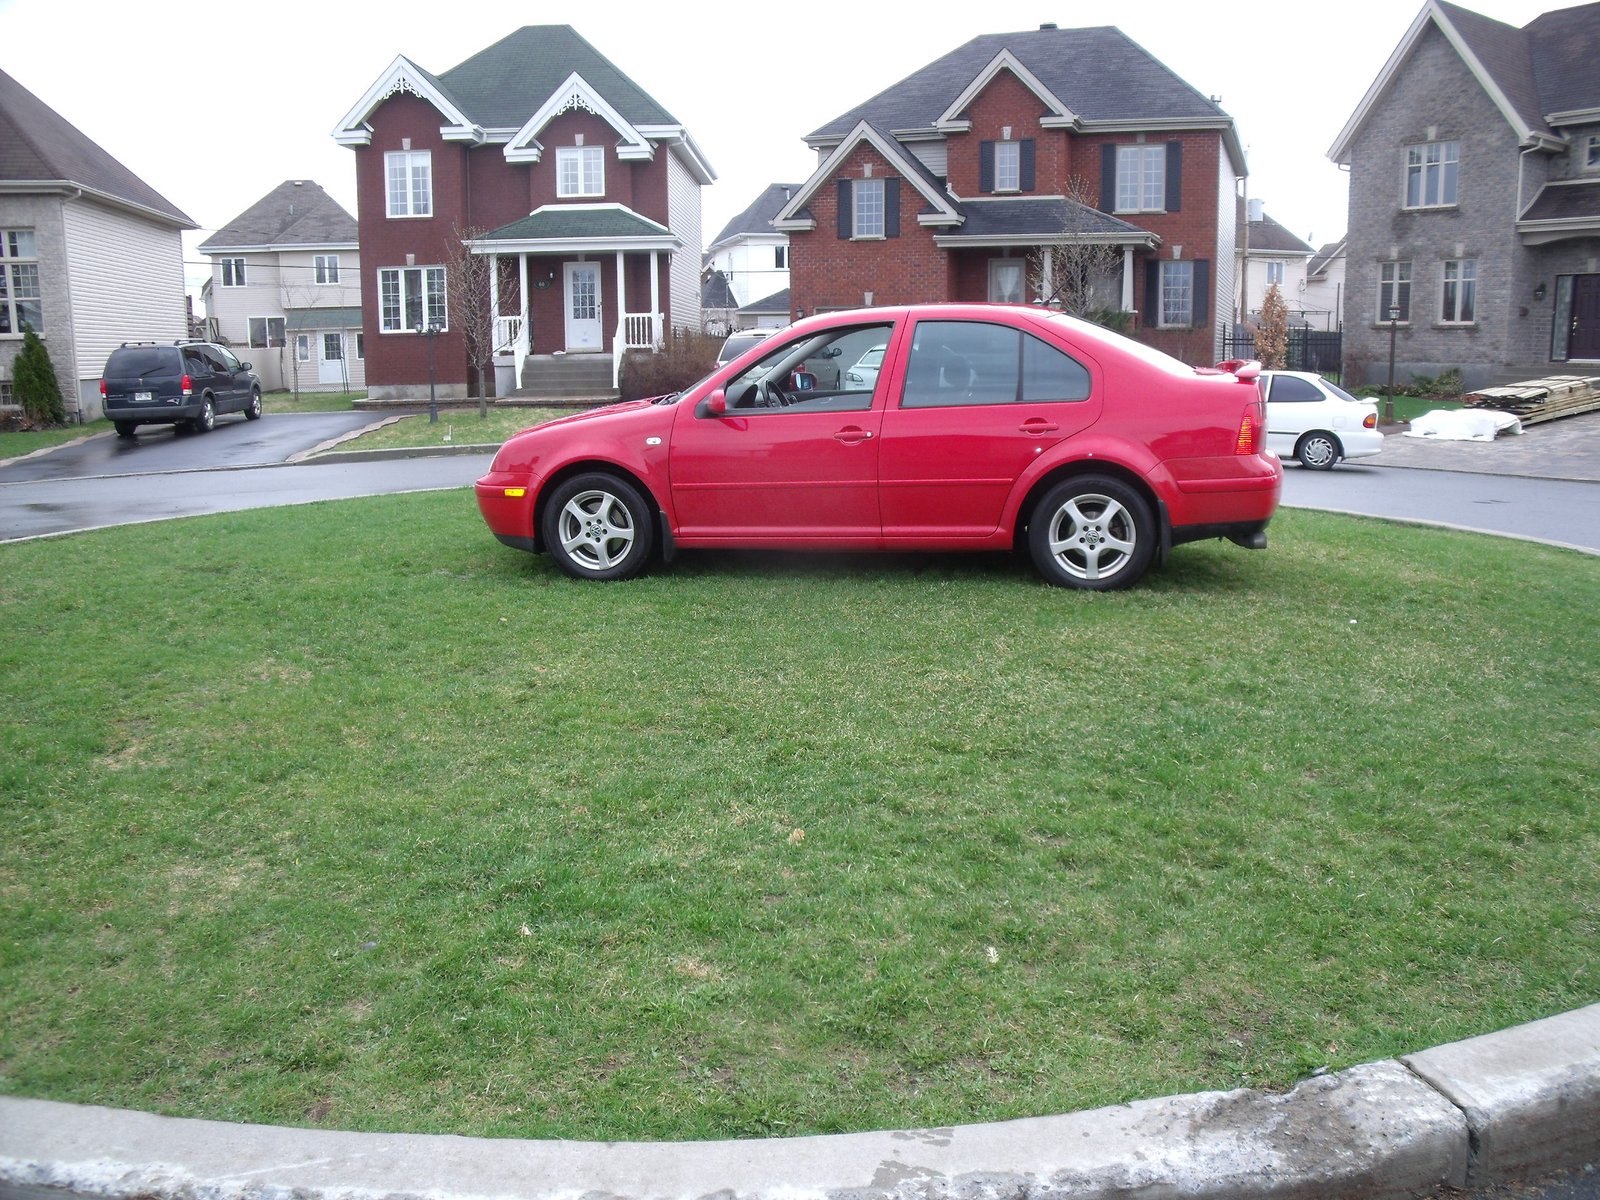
(576, 93)
(402, 76)
(1056, 113)
(943, 211)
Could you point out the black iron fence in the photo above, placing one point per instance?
(1309, 349)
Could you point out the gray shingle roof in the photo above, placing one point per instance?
(715, 292)
(1100, 74)
(295, 213)
(301, 320)
(778, 302)
(501, 86)
(1325, 256)
(1037, 216)
(1267, 234)
(1565, 202)
(1565, 65)
(38, 145)
(1503, 50)
(758, 217)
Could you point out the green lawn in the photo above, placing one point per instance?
(348, 815)
(459, 427)
(16, 443)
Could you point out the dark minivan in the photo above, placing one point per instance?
(182, 383)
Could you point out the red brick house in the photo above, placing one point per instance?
(582, 190)
(949, 184)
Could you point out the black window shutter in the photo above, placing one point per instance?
(1174, 176)
(1108, 178)
(1152, 293)
(846, 218)
(1202, 292)
(1026, 155)
(891, 207)
(986, 166)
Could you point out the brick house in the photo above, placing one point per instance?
(950, 183)
(286, 283)
(538, 153)
(1474, 163)
(91, 256)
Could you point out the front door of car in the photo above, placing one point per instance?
(788, 461)
(977, 404)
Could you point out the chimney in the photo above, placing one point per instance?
(1258, 210)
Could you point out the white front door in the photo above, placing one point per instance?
(583, 306)
(330, 358)
(1006, 280)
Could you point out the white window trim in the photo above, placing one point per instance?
(1591, 153)
(409, 207)
(1161, 300)
(302, 347)
(423, 275)
(1422, 167)
(1015, 166)
(1143, 154)
(283, 332)
(325, 270)
(857, 187)
(1409, 283)
(1459, 281)
(9, 283)
(240, 275)
(582, 156)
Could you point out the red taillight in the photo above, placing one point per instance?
(1370, 421)
(1249, 439)
(188, 385)
(102, 389)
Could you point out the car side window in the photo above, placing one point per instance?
(229, 363)
(1286, 389)
(955, 363)
(823, 372)
(195, 364)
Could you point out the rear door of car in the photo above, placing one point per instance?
(972, 404)
(143, 376)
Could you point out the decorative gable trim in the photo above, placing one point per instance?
(576, 93)
(1527, 136)
(403, 76)
(793, 216)
(1059, 116)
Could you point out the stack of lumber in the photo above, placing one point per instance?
(1541, 399)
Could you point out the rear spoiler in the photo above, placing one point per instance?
(1246, 370)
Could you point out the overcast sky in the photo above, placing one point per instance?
(214, 103)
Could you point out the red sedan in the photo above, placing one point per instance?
(986, 428)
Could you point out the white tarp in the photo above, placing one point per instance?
(1463, 425)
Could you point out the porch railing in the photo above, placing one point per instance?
(509, 338)
(636, 331)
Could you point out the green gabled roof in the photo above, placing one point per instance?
(574, 222)
(303, 320)
(502, 86)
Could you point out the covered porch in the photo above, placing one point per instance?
(576, 279)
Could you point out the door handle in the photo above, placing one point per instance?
(853, 436)
(1038, 425)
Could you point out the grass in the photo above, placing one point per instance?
(14, 443)
(461, 427)
(347, 815)
(289, 402)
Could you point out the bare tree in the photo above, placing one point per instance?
(1079, 264)
(467, 291)
(1272, 338)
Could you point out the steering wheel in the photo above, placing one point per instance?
(772, 396)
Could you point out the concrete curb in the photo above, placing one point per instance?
(1525, 1099)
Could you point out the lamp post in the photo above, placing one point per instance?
(1388, 396)
(433, 392)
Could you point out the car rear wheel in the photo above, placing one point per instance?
(1319, 450)
(125, 428)
(1092, 532)
(252, 411)
(597, 526)
(207, 420)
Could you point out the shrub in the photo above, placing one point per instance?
(34, 383)
(1272, 341)
(686, 356)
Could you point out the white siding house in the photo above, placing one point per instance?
(754, 258)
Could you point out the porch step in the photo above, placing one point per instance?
(571, 376)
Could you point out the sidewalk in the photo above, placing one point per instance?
(1567, 448)
(1521, 1102)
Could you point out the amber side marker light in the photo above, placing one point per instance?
(515, 493)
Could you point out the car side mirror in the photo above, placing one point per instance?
(832, 352)
(714, 405)
(246, 366)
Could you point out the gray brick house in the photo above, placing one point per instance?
(1474, 164)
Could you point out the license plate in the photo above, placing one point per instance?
(143, 397)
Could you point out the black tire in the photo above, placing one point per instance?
(597, 526)
(207, 420)
(1318, 450)
(252, 410)
(1092, 532)
(125, 428)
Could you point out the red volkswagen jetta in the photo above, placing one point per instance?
(986, 427)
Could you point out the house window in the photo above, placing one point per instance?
(8, 398)
(1274, 274)
(361, 346)
(581, 171)
(1007, 166)
(326, 268)
(868, 208)
(780, 258)
(21, 302)
(266, 331)
(1431, 174)
(1177, 294)
(1459, 303)
(405, 294)
(409, 180)
(333, 347)
(1141, 178)
(1394, 290)
(1591, 152)
(302, 347)
(233, 272)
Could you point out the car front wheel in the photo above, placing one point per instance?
(597, 526)
(207, 420)
(1318, 451)
(1092, 532)
(252, 411)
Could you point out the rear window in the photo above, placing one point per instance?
(737, 345)
(143, 361)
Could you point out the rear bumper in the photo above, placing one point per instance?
(157, 413)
